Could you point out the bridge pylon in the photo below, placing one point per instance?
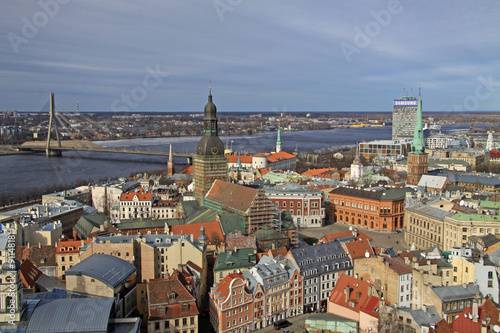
(53, 122)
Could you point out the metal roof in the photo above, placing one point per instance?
(456, 293)
(108, 269)
(71, 315)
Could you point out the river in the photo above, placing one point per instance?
(32, 171)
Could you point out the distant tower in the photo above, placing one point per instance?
(418, 160)
(356, 166)
(209, 162)
(278, 141)
(404, 115)
(490, 144)
(170, 165)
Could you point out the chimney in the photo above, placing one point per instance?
(475, 311)
(39, 245)
(347, 293)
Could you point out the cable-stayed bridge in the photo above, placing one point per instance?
(81, 141)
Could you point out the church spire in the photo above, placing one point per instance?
(170, 165)
(418, 145)
(278, 141)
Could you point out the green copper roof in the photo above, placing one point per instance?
(278, 142)
(418, 145)
(489, 204)
(476, 217)
(241, 258)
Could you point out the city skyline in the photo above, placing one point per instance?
(281, 56)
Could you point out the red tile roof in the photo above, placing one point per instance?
(330, 237)
(141, 195)
(358, 293)
(442, 327)
(263, 171)
(159, 296)
(464, 323)
(283, 155)
(211, 228)
(40, 256)
(70, 244)
(222, 288)
(243, 159)
(236, 196)
(188, 171)
(29, 274)
(358, 249)
(494, 153)
(372, 306)
(322, 173)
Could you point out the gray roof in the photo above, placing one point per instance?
(270, 272)
(456, 293)
(71, 315)
(108, 269)
(88, 222)
(380, 194)
(423, 318)
(471, 178)
(429, 211)
(3, 241)
(318, 256)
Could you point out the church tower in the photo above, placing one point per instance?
(356, 166)
(209, 162)
(418, 160)
(170, 165)
(278, 141)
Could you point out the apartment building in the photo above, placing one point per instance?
(304, 204)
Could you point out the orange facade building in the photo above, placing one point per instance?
(378, 209)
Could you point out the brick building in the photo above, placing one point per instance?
(304, 204)
(171, 308)
(231, 305)
(378, 209)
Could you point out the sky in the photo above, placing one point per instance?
(324, 55)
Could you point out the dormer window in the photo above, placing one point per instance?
(63, 249)
(185, 307)
(171, 296)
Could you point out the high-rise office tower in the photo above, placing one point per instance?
(404, 114)
(209, 162)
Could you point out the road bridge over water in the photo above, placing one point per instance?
(84, 145)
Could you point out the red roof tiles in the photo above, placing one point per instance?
(283, 155)
(141, 195)
(211, 228)
(29, 274)
(232, 195)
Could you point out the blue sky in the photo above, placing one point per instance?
(153, 55)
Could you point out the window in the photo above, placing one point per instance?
(166, 324)
(177, 323)
(291, 204)
(157, 325)
(184, 321)
(191, 320)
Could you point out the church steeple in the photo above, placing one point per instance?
(170, 165)
(418, 160)
(418, 145)
(278, 141)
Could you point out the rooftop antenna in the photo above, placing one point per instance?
(411, 92)
(77, 108)
(404, 92)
